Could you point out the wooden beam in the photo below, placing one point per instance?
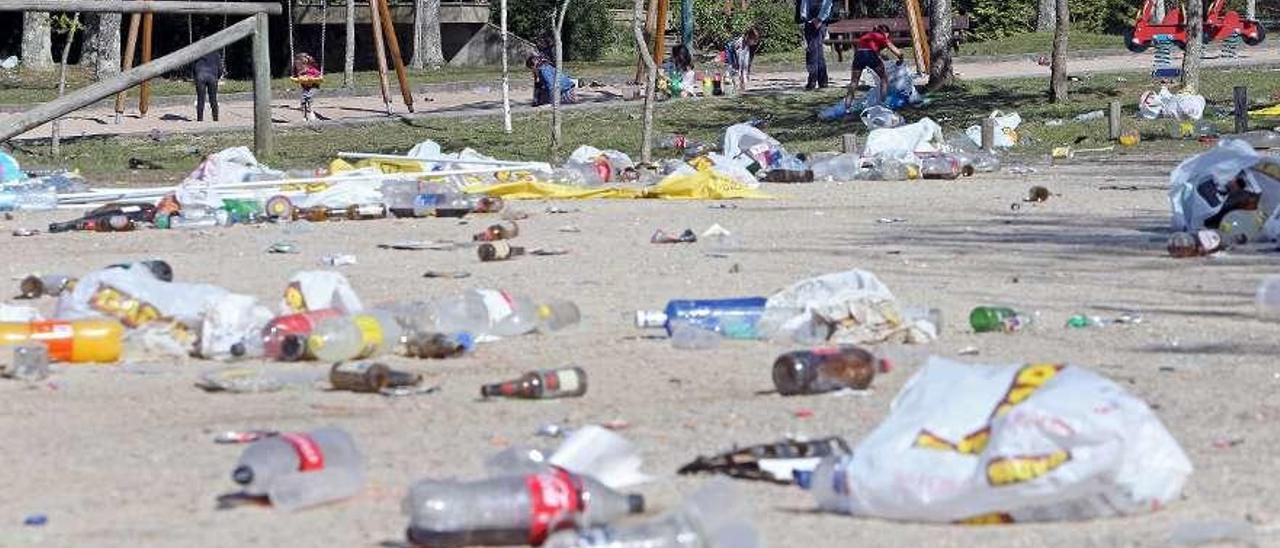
(1113, 120)
(397, 60)
(126, 63)
(140, 6)
(262, 138)
(380, 54)
(144, 94)
(88, 95)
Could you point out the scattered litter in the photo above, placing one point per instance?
(447, 274)
(569, 229)
(338, 259)
(777, 462)
(283, 247)
(1006, 134)
(1089, 116)
(1038, 194)
(662, 237)
(35, 520)
(561, 210)
(803, 413)
(548, 251)
(418, 245)
(24, 232)
(1226, 443)
(406, 391)
(242, 436)
(890, 220)
(968, 351)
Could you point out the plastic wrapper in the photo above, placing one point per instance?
(845, 307)
(1000, 444)
(1006, 134)
(319, 289)
(924, 135)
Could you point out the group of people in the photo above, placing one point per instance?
(813, 16)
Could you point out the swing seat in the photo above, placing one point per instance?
(308, 81)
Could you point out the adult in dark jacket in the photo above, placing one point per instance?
(813, 15)
(206, 71)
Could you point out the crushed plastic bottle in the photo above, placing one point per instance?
(296, 470)
(845, 167)
(510, 510)
(712, 517)
(687, 335)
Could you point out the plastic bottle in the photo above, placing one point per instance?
(295, 470)
(845, 167)
(828, 483)
(285, 337)
(687, 335)
(545, 384)
(1269, 298)
(498, 251)
(241, 211)
(185, 222)
(731, 318)
(985, 319)
(1242, 226)
(369, 377)
(31, 198)
(510, 510)
(824, 370)
(422, 344)
(36, 286)
(710, 518)
(940, 166)
(357, 336)
(1198, 244)
(889, 169)
(69, 341)
(526, 315)
(505, 230)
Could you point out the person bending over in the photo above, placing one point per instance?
(867, 56)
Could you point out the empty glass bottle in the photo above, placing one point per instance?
(36, 286)
(422, 344)
(1197, 244)
(505, 230)
(369, 377)
(510, 510)
(986, 319)
(498, 251)
(824, 370)
(567, 382)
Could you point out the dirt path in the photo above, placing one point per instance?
(485, 98)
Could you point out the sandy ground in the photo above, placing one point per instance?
(123, 455)
(486, 97)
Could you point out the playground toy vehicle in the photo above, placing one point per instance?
(1217, 26)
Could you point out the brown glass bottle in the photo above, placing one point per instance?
(435, 345)
(34, 287)
(498, 251)
(567, 382)
(114, 223)
(369, 377)
(501, 231)
(366, 212)
(1194, 244)
(823, 370)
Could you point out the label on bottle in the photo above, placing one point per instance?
(501, 250)
(310, 457)
(57, 336)
(563, 380)
(499, 304)
(352, 368)
(370, 334)
(1209, 240)
(553, 503)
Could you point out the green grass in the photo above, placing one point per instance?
(1041, 42)
(790, 118)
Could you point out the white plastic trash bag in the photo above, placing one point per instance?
(1001, 444)
(1164, 104)
(739, 138)
(228, 321)
(232, 165)
(1197, 187)
(924, 135)
(317, 290)
(346, 193)
(845, 307)
(136, 298)
(881, 117)
(1006, 134)
(601, 454)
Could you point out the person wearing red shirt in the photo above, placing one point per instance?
(869, 46)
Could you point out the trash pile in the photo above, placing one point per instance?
(1224, 197)
(913, 151)
(901, 94)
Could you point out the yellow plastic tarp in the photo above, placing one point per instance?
(703, 185)
(1273, 110)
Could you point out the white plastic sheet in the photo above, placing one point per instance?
(994, 444)
(319, 289)
(228, 321)
(924, 135)
(1163, 104)
(232, 165)
(739, 138)
(853, 306)
(604, 455)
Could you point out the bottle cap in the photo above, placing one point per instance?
(465, 340)
(242, 475)
(635, 504)
(650, 318)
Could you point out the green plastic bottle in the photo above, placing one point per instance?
(985, 319)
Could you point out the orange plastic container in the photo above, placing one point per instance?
(69, 341)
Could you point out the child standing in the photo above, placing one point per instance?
(740, 54)
(308, 76)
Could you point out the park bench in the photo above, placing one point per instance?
(842, 34)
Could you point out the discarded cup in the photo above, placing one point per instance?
(567, 382)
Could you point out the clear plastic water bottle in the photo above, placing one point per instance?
(295, 470)
(362, 335)
(687, 335)
(710, 518)
(733, 318)
(527, 315)
(510, 510)
(940, 166)
(829, 483)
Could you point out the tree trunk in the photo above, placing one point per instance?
(102, 44)
(555, 85)
(37, 51)
(1058, 77)
(940, 44)
(1047, 17)
(506, 72)
(651, 72)
(55, 135)
(1195, 46)
(349, 60)
(426, 34)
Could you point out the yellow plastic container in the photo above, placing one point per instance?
(69, 341)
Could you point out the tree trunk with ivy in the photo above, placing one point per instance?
(940, 44)
(1195, 47)
(37, 49)
(1058, 74)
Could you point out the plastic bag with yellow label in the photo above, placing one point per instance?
(983, 444)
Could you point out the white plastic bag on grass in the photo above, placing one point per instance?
(1006, 134)
(1001, 444)
(924, 135)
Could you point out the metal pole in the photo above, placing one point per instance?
(261, 86)
(506, 75)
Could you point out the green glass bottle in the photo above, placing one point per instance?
(985, 319)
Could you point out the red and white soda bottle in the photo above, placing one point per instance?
(299, 469)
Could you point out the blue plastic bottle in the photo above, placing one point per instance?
(731, 318)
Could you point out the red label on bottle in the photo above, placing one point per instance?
(552, 381)
(309, 455)
(825, 351)
(553, 501)
(58, 338)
